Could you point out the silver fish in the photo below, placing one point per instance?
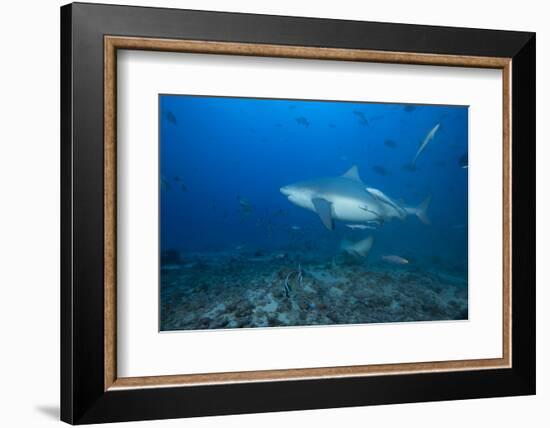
(395, 259)
(430, 136)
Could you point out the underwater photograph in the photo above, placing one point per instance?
(287, 212)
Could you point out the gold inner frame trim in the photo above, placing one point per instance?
(113, 43)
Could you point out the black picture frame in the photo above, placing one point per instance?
(83, 396)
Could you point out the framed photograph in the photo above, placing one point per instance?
(266, 213)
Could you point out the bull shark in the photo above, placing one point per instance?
(347, 198)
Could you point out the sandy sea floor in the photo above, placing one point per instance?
(222, 290)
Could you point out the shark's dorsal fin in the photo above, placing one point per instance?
(324, 209)
(353, 174)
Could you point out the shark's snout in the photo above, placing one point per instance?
(285, 190)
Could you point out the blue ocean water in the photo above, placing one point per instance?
(229, 238)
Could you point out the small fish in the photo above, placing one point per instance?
(291, 107)
(332, 125)
(299, 278)
(409, 167)
(246, 206)
(429, 136)
(360, 226)
(302, 121)
(189, 265)
(171, 117)
(264, 140)
(362, 118)
(176, 178)
(286, 284)
(295, 227)
(409, 108)
(380, 170)
(183, 188)
(458, 226)
(278, 125)
(164, 184)
(395, 260)
(390, 143)
(240, 247)
(463, 161)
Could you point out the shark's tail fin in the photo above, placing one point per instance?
(360, 248)
(363, 247)
(422, 210)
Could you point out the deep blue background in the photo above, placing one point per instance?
(220, 149)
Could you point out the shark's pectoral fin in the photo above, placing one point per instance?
(324, 209)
